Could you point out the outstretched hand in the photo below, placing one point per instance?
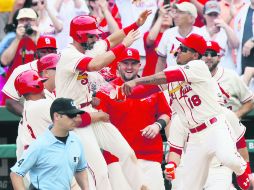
(143, 16)
(131, 37)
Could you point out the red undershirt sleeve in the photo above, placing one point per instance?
(174, 75)
(83, 64)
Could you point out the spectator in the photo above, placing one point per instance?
(67, 10)
(49, 23)
(129, 12)
(22, 48)
(4, 44)
(243, 26)
(184, 18)
(45, 155)
(162, 21)
(143, 135)
(106, 14)
(5, 9)
(216, 29)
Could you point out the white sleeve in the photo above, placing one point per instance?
(9, 88)
(177, 133)
(243, 92)
(195, 71)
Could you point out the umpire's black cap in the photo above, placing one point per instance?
(64, 106)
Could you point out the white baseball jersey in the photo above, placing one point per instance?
(9, 88)
(36, 117)
(237, 93)
(196, 99)
(169, 44)
(71, 83)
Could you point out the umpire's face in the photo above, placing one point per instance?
(128, 69)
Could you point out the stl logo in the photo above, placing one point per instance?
(209, 43)
(129, 52)
(47, 40)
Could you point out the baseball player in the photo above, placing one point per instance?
(36, 116)
(194, 99)
(72, 81)
(142, 134)
(45, 45)
(219, 177)
(237, 96)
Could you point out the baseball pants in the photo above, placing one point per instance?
(152, 174)
(105, 136)
(215, 140)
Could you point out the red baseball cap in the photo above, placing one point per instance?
(129, 54)
(195, 42)
(46, 42)
(212, 45)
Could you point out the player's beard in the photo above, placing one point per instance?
(213, 67)
(87, 46)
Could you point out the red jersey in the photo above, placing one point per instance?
(131, 116)
(24, 54)
(151, 55)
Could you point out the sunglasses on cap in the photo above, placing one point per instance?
(184, 49)
(210, 53)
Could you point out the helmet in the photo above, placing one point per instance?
(82, 25)
(29, 82)
(46, 42)
(48, 62)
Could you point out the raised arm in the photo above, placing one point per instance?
(118, 36)
(105, 59)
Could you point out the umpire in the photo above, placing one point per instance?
(55, 157)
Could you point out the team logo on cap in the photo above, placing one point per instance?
(208, 43)
(47, 41)
(129, 52)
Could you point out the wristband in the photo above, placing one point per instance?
(108, 44)
(159, 125)
(118, 50)
(127, 29)
(162, 123)
(86, 120)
